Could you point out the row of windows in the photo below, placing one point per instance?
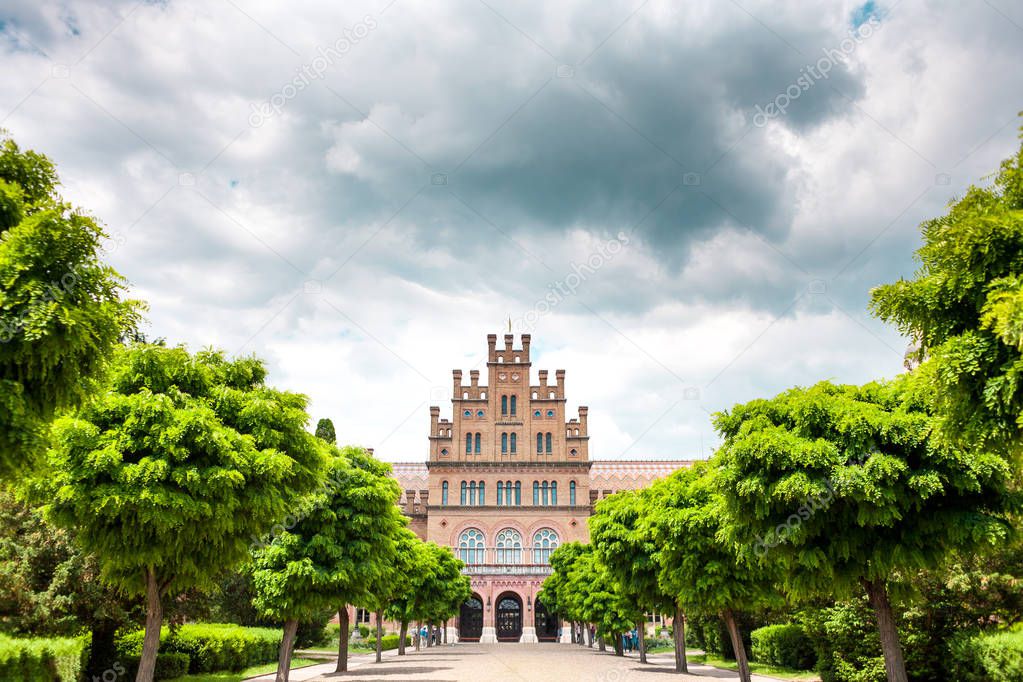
(472, 546)
(474, 493)
(509, 443)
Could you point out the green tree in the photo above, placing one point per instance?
(395, 579)
(845, 488)
(964, 312)
(167, 475)
(62, 311)
(698, 565)
(325, 431)
(628, 548)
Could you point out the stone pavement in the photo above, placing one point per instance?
(494, 662)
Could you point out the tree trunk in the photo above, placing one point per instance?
(342, 640)
(737, 645)
(587, 635)
(679, 634)
(601, 646)
(402, 629)
(287, 644)
(894, 664)
(445, 631)
(617, 638)
(641, 631)
(380, 633)
(154, 621)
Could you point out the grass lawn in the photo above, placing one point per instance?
(759, 668)
(333, 649)
(242, 674)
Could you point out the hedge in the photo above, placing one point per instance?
(168, 666)
(990, 657)
(212, 646)
(43, 660)
(783, 645)
(390, 642)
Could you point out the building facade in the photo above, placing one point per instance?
(508, 480)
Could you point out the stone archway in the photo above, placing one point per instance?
(508, 617)
(470, 619)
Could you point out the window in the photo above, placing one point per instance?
(500, 358)
(536, 413)
(514, 442)
(539, 443)
(468, 443)
(571, 493)
(504, 443)
(550, 413)
(482, 487)
(549, 438)
(513, 400)
(483, 395)
(509, 547)
(444, 451)
(361, 615)
(477, 443)
(545, 541)
(471, 547)
(500, 492)
(479, 413)
(462, 498)
(573, 452)
(504, 405)
(444, 493)
(545, 489)
(472, 493)
(554, 493)
(536, 493)
(518, 493)
(551, 394)
(467, 413)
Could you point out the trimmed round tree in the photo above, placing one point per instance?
(702, 569)
(325, 431)
(62, 311)
(167, 475)
(964, 311)
(395, 580)
(845, 488)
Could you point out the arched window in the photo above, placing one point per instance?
(571, 493)
(477, 443)
(500, 358)
(504, 405)
(545, 541)
(471, 547)
(483, 395)
(514, 443)
(465, 396)
(513, 402)
(468, 443)
(550, 413)
(500, 492)
(539, 443)
(504, 443)
(534, 396)
(536, 493)
(551, 394)
(549, 439)
(509, 547)
(483, 493)
(554, 493)
(472, 493)
(546, 499)
(462, 499)
(479, 413)
(536, 413)
(518, 493)
(444, 493)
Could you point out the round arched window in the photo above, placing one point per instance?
(471, 546)
(550, 413)
(467, 413)
(545, 541)
(479, 413)
(509, 547)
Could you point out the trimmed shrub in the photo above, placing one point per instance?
(783, 645)
(43, 660)
(363, 630)
(211, 646)
(168, 666)
(388, 642)
(990, 657)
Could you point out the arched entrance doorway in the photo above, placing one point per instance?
(509, 617)
(546, 624)
(470, 619)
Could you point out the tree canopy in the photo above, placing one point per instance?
(62, 311)
(325, 431)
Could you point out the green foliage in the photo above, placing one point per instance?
(325, 431)
(964, 308)
(42, 660)
(341, 546)
(169, 666)
(783, 645)
(434, 588)
(391, 642)
(841, 484)
(62, 310)
(581, 588)
(179, 464)
(846, 640)
(211, 646)
(990, 657)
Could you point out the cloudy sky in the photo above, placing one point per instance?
(685, 203)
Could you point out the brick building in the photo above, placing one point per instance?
(508, 480)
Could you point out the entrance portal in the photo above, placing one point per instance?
(546, 624)
(470, 620)
(509, 617)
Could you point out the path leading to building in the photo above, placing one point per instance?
(500, 662)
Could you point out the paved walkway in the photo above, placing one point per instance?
(499, 662)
